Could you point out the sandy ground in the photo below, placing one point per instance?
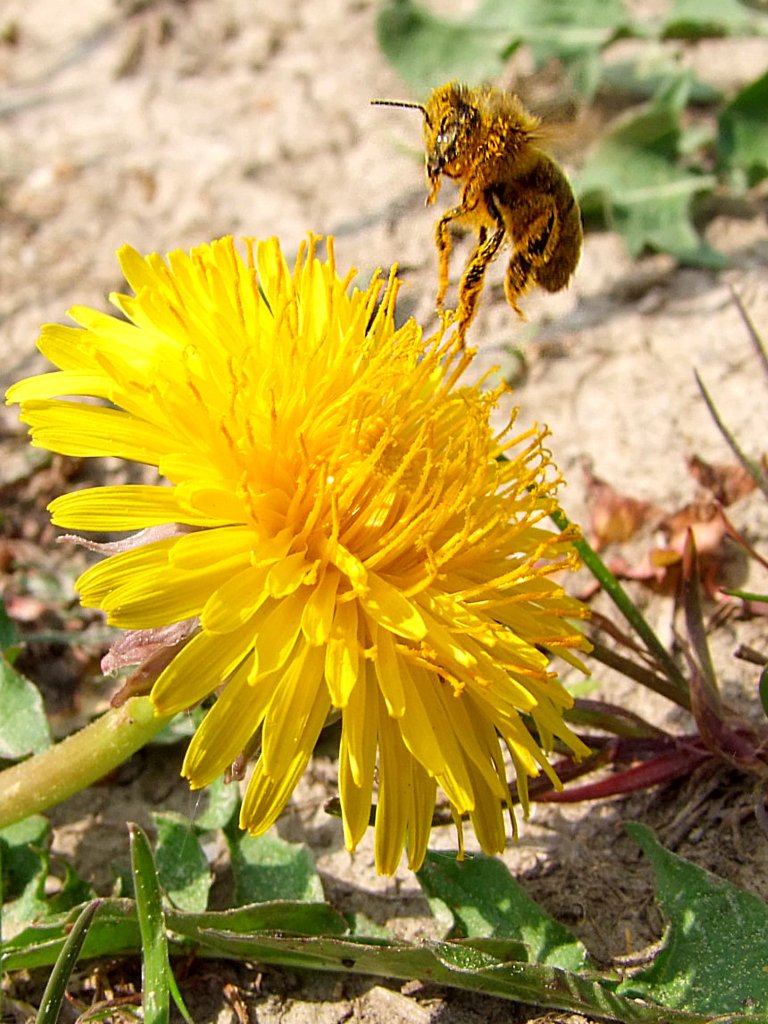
(168, 124)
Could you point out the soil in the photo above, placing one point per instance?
(166, 124)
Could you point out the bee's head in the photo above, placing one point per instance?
(450, 124)
(451, 121)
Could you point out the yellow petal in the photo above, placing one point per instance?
(342, 654)
(267, 795)
(390, 672)
(317, 616)
(278, 624)
(121, 507)
(357, 759)
(294, 702)
(83, 431)
(392, 609)
(392, 806)
(198, 669)
(226, 729)
(235, 601)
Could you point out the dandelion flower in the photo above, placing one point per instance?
(336, 528)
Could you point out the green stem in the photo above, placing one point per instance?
(632, 670)
(79, 760)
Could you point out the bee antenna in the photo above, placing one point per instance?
(403, 103)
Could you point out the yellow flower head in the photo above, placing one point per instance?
(339, 528)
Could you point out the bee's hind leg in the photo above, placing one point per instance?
(531, 254)
(517, 280)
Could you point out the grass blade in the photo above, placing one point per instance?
(753, 468)
(678, 691)
(50, 1004)
(158, 982)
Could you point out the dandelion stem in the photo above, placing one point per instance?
(84, 757)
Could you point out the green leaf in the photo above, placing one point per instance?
(179, 728)
(9, 636)
(488, 965)
(558, 29)
(221, 803)
(650, 74)
(742, 135)
(73, 891)
(463, 965)
(762, 689)
(487, 901)
(715, 949)
(182, 867)
(24, 850)
(267, 868)
(23, 725)
(114, 931)
(427, 50)
(26, 866)
(633, 174)
(364, 927)
(284, 916)
(56, 985)
(695, 19)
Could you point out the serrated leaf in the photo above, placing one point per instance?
(633, 174)
(23, 725)
(268, 868)
(487, 901)
(715, 954)
(182, 866)
(427, 50)
(742, 135)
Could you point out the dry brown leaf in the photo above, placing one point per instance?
(614, 517)
(727, 482)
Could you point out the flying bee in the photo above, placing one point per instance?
(510, 189)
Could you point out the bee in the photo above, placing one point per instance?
(511, 189)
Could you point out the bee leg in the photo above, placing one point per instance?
(443, 242)
(517, 281)
(472, 280)
(532, 251)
